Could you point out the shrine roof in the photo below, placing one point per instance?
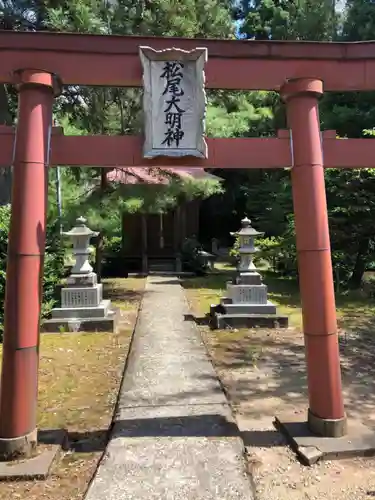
(159, 175)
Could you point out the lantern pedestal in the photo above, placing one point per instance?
(82, 305)
(246, 304)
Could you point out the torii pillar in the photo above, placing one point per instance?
(326, 415)
(26, 245)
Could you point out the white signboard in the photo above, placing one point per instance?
(174, 102)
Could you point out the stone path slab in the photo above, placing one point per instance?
(174, 436)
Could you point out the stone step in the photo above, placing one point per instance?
(223, 321)
(101, 311)
(162, 265)
(246, 308)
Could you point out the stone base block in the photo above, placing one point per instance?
(64, 325)
(40, 465)
(19, 447)
(73, 313)
(253, 278)
(327, 427)
(247, 294)
(221, 320)
(82, 280)
(73, 297)
(310, 448)
(259, 309)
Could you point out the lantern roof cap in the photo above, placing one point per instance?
(80, 229)
(247, 229)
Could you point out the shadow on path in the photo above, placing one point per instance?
(213, 425)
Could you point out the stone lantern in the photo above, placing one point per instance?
(82, 304)
(246, 303)
(80, 236)
(246, 236)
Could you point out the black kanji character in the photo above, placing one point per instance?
(172, 69)
(173, 102)
(173, 87)
(173, 136)
(173, 120)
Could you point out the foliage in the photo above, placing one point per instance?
(288, 20)
(238, 114)
(234, 251)
(53, 268)
(359, 20)
(53, 264)
(350, 196)
(119, 110)
(279, 252)
(190, 256)
(99, 110)
(267, 195)
(264, 195)
(113, 245)
(4, 230)
(103, 208)
(350, 192)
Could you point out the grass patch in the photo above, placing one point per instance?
(124, 298)
(79, 379)
(354, 309)
(237, 348)
(77, 376)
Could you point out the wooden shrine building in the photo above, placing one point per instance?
(153, 241)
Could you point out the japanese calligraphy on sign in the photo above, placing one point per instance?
(174, 102)
(173, 112)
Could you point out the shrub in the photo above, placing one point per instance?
(190, 256)
(53, 264)
(113, 245)
(4, 230)
(234, 251)
(279, 253)
(53, 268)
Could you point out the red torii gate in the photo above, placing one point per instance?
(39, 63)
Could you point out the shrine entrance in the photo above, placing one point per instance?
(299, 71)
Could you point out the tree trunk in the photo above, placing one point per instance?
(99, 256)
(5, 172)
(121, 108)
(360, 264)
(99, 242)
(103, 180)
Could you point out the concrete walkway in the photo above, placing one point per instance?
(174, 436)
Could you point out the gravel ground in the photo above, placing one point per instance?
(264, 375)
(279, 476)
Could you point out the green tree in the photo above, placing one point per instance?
(359, 20)
(265, 196)
(289, 19)
(350, 192)
(350, 195)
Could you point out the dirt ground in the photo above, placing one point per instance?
(263, 372)
(79, 378)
